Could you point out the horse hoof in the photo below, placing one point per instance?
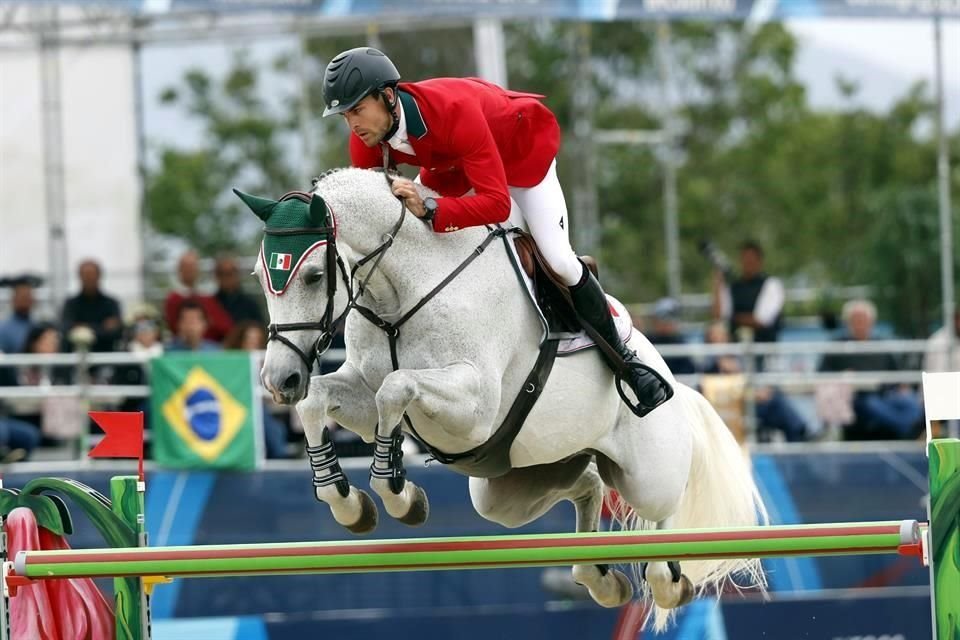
(614, 595)
(686, 591)
(624, 588)
(419, 510)
(369, 516)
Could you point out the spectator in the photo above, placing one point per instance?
(188, 272)
(94, 309)
(890, 412)
(14, 330)
(191, 322)
(250, 336)
(666, 330)
(775, 411)
(144, 341)
(18, 438)
(937, 360)
(43, 338)
(753, 301)
(59, 418)
(239, 306)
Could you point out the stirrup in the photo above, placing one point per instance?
(638, 409)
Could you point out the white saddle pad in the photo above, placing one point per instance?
(581, 341)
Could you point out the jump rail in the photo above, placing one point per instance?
(485, 552)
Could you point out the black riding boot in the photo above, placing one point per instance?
(591, 305)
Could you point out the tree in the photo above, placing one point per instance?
(245, 144)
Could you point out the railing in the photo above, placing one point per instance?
(798, 375)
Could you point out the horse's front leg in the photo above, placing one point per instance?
(450, 397)
(344, 397)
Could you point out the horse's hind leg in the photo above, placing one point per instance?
(669, 587)
(525, 494)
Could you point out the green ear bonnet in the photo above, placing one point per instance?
(295, 226)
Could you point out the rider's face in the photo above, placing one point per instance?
(369, 120)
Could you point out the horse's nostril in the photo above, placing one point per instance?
(292, 383)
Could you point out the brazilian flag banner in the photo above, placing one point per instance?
(206, 411)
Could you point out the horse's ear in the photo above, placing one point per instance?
(260, 206)
(318, 211)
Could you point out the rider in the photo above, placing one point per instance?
(467, 134)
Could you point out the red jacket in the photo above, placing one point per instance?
(468, 133)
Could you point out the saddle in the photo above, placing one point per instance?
(551, 292)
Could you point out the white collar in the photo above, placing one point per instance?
(400, 140)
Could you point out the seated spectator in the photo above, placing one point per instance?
(937, 359)
(144, 341)
(775, 411)
(250, 336)
(890, 412)
(238, 305)
(43, 338)
(56, 417)
(143, 338)
(93, 309)
(666, 330)
(14, 330)
(191, 322)
(18, 438)
(188, 273)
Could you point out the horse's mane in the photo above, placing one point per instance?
(348, 184)
(393, 173)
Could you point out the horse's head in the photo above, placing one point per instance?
(298, 271)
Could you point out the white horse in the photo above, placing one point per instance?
(463, 358)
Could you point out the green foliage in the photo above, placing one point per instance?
(245, 143)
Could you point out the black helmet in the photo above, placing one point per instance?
(353, 75)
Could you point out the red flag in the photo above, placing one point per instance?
(124, 434)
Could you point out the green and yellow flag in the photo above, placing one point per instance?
(205, 411)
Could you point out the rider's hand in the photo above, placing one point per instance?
(406, 190)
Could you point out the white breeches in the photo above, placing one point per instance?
(542, 211)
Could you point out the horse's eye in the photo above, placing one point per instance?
(312, 277)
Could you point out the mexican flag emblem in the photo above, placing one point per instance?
(281, 261)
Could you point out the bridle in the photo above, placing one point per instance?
(334, 262)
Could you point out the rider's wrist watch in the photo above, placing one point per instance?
(430, 206)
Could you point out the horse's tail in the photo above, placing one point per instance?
(720, 493)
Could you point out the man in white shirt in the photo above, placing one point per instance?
(754, 300)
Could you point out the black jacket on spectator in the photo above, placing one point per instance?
(92, 311)
(743, 295)
(240, 306)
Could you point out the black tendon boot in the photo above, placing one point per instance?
(649, 387)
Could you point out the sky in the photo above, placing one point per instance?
(884, 56)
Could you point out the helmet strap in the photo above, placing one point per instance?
(392, 110)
